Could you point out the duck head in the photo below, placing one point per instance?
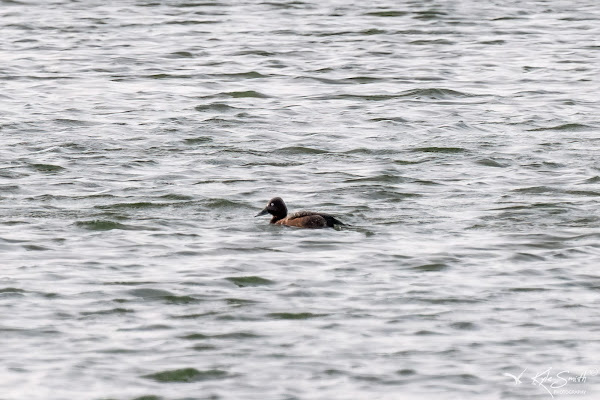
(276, 207)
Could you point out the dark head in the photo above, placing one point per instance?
(276, 207)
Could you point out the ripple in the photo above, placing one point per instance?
(47, 167)
(12, 292)
(240, 302)
(180, 54)
(300, 315)
(583, 193)
(570, 127)
(180, 299)
(436, 94)
(174, 196)
(220, 107)
(168, 76)
(149, 292)
(592, 180)
(133, 206)
(382, 178)
(488, 162)
(148, 397)
(389, 119)
(73, 122)
(225, 204)
(444, 150)
(435, 267)
(101, 225)
(386, 13)
(536, 190)
(432, 42)
(35, 247)
(244, 281)
(241, 75)
(117, 311)
(186, 375)
(299, 150)
(163, 296)
(528, 289)
(406, 372)
(192, 22)
(430, 14)
(231, 335)
(464, 325)
(252, 94)
(198, 140)
(528, 257)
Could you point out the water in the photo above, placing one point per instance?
(458, 139)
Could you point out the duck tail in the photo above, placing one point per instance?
(332, 221)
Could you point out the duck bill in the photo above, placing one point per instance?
(263, 212)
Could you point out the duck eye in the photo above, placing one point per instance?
(271, 205)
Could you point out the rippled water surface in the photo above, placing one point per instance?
(459, 141)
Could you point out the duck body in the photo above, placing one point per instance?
(303, 219)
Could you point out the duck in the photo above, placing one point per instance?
(302, 219)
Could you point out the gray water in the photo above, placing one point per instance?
(457, 139)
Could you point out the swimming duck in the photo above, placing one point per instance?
(303, 219)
